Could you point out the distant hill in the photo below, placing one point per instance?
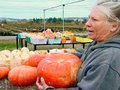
(3, 19)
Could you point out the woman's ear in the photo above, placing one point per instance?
(115, 27)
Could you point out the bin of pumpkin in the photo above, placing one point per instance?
(55, 38)
(58, 70)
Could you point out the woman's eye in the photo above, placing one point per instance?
(94, 19)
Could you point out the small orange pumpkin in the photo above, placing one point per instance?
(3, 71)
(23, 75)
(72, 39)
(63, 40)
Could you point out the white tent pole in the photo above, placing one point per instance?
(44, 18)
(63, 17)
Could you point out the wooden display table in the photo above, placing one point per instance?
(62, 44)
(19, 41)
(26, 40)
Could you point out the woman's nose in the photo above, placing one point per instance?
(87, 24)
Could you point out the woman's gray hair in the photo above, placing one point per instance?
(111, 9)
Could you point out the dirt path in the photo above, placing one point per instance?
(8, 39)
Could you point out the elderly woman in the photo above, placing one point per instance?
(101, 60)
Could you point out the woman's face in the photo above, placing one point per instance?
(97, 26)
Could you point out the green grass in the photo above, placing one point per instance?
(12, 46)
(7, 46)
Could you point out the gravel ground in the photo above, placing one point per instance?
(6, 85)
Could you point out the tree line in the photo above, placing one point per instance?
(58, 20)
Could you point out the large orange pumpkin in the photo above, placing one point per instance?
(59, 69)
(34, 59)
(3, 71)
(23, 75)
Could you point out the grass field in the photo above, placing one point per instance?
(7, 46)
(7, 42)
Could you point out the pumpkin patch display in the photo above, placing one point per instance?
(59, 69)
(3, 71)
(34, 59)
(23, 75)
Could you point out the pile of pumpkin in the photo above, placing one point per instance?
(22, 67)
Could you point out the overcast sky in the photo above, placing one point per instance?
(34, 8)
